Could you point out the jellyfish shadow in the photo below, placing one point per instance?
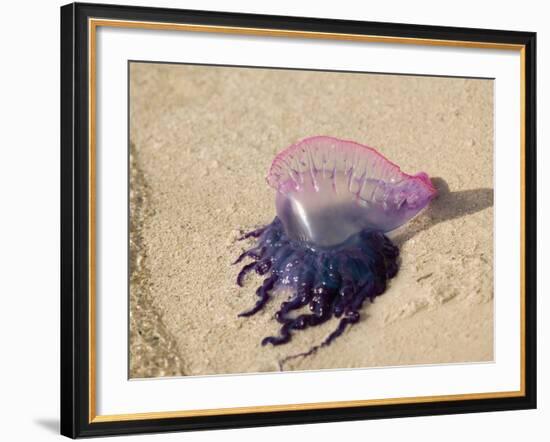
(445, 207)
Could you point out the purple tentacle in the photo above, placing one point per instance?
(299, 323)
(246, 269)
(263, 293)
(331, 282)
(351, 318)
(342, 325)
(253, 234)
(255, 253)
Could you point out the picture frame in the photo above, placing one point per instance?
(81, 176)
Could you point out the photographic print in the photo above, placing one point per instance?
(273, 220)
(285, 219)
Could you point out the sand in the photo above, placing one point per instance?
(202, 139)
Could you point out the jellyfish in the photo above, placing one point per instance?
(336, 201)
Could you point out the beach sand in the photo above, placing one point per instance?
(202, 140)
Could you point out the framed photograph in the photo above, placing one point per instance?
(274, 220)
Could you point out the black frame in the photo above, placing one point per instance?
(75, 220)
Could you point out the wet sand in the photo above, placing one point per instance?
(202, 140)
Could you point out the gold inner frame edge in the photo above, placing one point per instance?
(93, 24)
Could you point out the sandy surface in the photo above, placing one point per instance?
(202, 141)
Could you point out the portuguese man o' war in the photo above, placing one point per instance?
(335, 202)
